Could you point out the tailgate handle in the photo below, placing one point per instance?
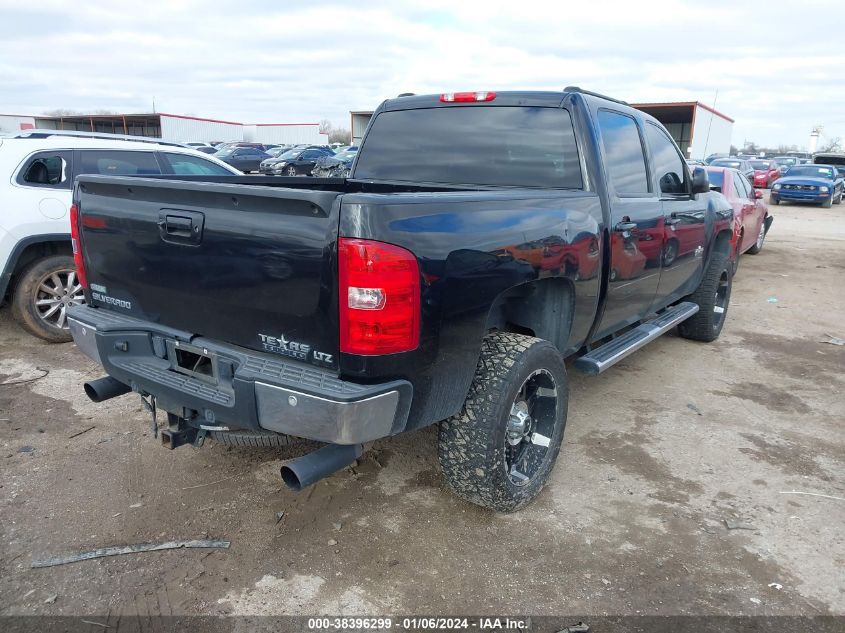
(180, 227)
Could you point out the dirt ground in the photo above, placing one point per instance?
(659, 453)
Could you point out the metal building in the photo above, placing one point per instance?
(358, 124)
(12, 123)
(172, 127)
(699, 130)
(285, 133)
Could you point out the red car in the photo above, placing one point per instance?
(765, 173)
(751, 215)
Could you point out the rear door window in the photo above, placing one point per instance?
(623, 153)
(50, 170)
(117, 163)
(184, 165)
(499, 146)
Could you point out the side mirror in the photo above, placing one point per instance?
(700, 181)
(758, 194)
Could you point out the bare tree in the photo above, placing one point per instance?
(62, 112)
(326, 127)
(832, 145)
(65, 112)
(340, 135)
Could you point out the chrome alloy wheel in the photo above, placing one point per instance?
(762, 235)
(54, 294)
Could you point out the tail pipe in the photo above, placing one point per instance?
(105, 388)
(303, 471)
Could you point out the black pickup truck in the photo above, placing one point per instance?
(481, 239)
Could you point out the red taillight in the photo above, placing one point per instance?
(77, 246)
(464, 97)
(379, 298)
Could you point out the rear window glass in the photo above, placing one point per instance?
(118, 163)
(487, 146)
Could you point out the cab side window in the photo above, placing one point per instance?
(623, 151)
(668, 163)
(51, 170)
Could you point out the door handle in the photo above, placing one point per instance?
(624, 227)
(180, 227)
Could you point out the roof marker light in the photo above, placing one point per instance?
(466, 97)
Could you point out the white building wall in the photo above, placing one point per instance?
(717, 141)
(360, 121)
(184, 129)
(285, 134)
(12, 124)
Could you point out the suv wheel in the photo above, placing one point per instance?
(712, 296)
(44, 292)
(499, 450)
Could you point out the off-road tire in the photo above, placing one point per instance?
(254, 439)
(471, 445)
(704, 325)
(23, 298)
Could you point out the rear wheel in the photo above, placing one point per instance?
(44, 292)
(761, 237)
(499, 450)
(712, 296)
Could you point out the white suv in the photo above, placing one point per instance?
(37, 169)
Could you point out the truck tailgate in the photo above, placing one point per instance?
(248, 265)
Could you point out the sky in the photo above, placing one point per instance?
(775, 67)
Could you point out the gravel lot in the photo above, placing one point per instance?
(659, 453)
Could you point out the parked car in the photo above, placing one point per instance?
(344, 314)
(751, 215)
(785, 162)
(246, 159)
(741, 165)
(275, 152)
(835, 159)
(765, 173)
(337, 166)
(38, 168)
(294, 162)
(821, 184)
